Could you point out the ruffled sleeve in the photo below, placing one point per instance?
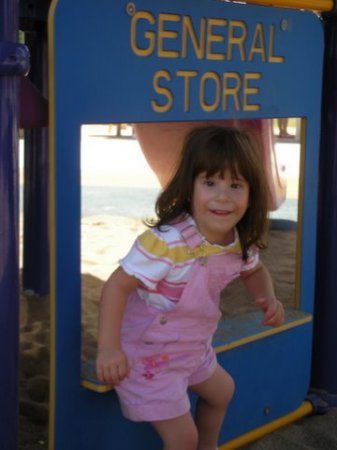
(253, 259)
(149, 259)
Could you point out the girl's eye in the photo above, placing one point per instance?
(239, 184)
(209, 183)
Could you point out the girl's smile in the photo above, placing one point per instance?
(218, 203)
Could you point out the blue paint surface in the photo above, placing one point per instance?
(98, 78)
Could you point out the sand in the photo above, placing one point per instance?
(34, 372)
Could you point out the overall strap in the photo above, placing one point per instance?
(189, 233)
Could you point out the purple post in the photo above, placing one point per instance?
(324, 366)
(35, 270)
(13, 61)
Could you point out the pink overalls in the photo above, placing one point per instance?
(171, 350)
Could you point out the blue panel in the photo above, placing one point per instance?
(269, 384)
(101, 75)
(125, 79)
(34, 114)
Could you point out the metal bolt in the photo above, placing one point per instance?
(130, 8)
(266, 410)
(284, 24)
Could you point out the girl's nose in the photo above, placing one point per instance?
(223, 193)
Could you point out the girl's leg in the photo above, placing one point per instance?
(179, 433)
(214, 396)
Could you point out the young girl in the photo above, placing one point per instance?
(160, 308)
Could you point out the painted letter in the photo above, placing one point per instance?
(188, 29)
(161, 90)
(231, 90)
(258, 45)
(248, 90)
(209, 107)
(166, 34)
(237, 40)
(149, 35)
(272, 58)
(186, 74)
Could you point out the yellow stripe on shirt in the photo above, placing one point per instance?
(181, 252)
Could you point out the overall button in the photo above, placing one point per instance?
(163, 320)
(203, 260)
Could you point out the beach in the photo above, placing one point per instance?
(107, 232)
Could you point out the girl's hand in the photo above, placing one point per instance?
(111, 366)
(273, 311)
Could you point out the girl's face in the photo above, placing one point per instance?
(218, 204)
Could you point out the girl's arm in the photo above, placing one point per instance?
(259, 284)
(111, 362)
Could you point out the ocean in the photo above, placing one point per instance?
(108, 159)
(138, 203)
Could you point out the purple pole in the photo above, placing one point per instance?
(13, 61)
(35, 270)
(324, 365)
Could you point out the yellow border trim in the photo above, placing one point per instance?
(305, 409)
(51, 217)
(100, 388)
(312, 5)
(262, 335)
(300, 212)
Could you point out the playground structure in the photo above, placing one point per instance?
(95, 412)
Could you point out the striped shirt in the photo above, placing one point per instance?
(162, 261)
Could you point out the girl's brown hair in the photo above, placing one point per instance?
(213, 149)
